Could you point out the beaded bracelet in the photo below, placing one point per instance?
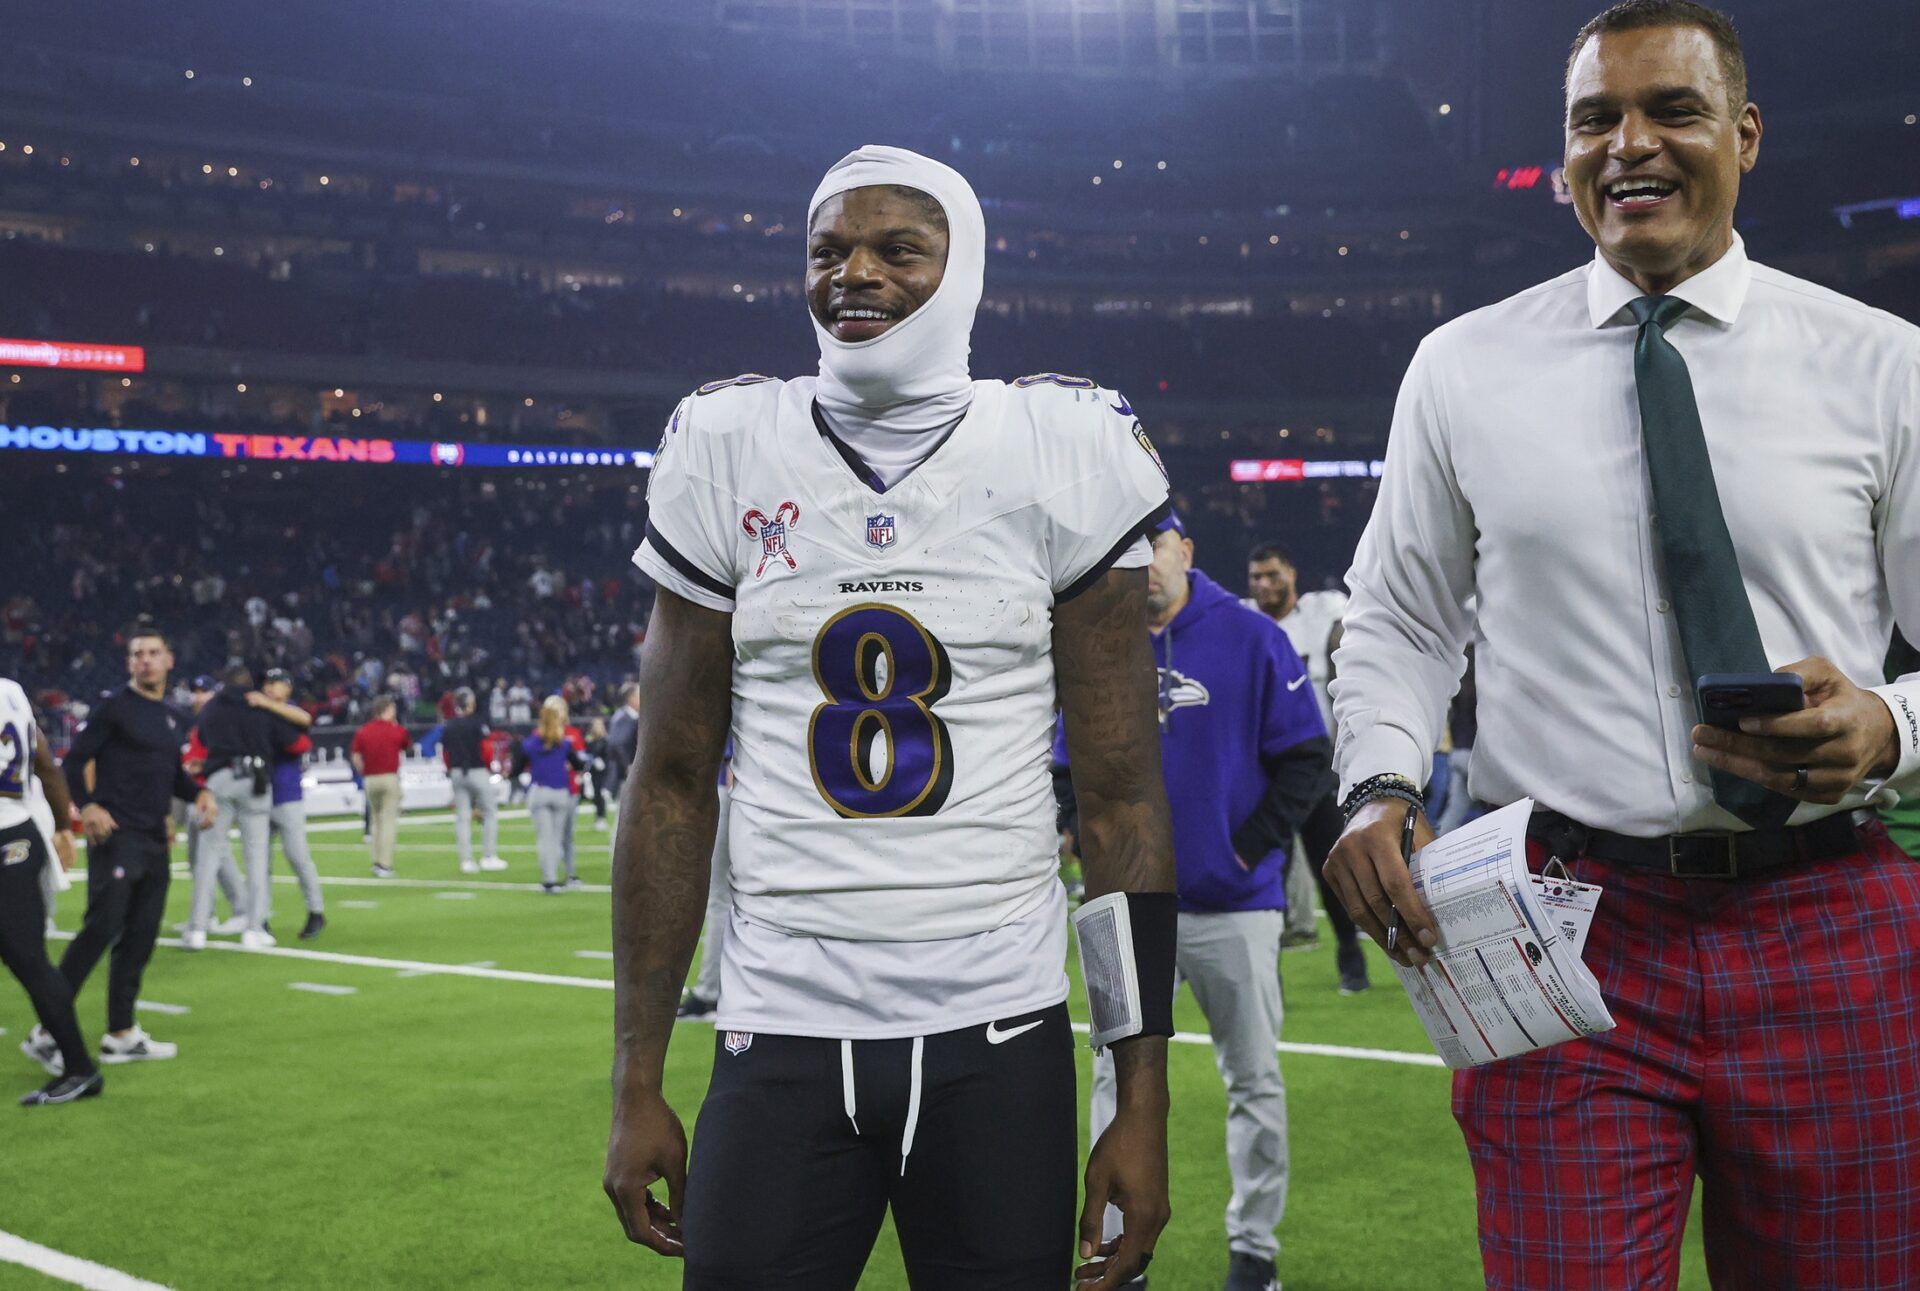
(1386, 785)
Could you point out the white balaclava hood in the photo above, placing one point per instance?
(913, 376)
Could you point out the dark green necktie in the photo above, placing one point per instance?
(1717, 630)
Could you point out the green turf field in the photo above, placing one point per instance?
(435, 1129)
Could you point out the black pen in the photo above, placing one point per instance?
(1406, 855)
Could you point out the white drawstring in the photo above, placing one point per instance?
(913, 1104)
(846, 1081)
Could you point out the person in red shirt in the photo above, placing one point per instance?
(377, 749)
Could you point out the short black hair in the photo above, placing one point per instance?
(238, 675)
(1270, 551)
(1633, 15)
(146, 628)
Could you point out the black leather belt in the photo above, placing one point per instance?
(1700, 856)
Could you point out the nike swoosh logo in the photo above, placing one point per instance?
(1296, 683)
(1124, 408)
(996, 1036)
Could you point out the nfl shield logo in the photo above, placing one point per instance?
(738, 1042)
(879, 532)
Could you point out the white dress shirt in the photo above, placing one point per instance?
(1515, 471)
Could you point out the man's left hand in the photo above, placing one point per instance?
(1127, 1168)
(205, 809)
(1843, 736)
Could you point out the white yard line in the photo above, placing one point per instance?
(454, 896)
(155, 1006)
(69, 1268)
(424, 818)
(593, 954)
(473, 885)
(428, 968)
(323, 988)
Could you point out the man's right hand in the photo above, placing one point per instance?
(647, 1145)
(1371, 878)
(97, 823)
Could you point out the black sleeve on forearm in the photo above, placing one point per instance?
(183, 786)
(1297, 779)
(519, 763)
(1066, 816)
(86, 746)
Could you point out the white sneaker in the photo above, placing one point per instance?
(469, 867)
(40, 1047)
(600, 826)
(231, 926)
(492, 864)
(135, 1046)
(383, 871)
(252, 940)
(193, 939)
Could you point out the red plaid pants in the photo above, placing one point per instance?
(1769, 1041)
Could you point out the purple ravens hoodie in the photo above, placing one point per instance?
(1233, 697)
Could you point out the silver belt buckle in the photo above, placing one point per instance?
(1729, 849)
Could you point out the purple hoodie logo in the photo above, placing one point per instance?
(1177, 690)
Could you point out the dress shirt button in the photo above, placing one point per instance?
(1673, 691)
(1661, 605)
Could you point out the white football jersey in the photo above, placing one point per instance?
(893, 683)
(16, 754)
(1309, 626)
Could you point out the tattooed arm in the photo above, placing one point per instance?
(1103, 660)
(669, 811)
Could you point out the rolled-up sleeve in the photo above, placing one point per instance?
(1403, 644)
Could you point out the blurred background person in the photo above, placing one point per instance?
(377, 751)
(242, 739)
(1246, 756)
(551, 759)
(1311, 621)
(287, 819)
(463, 748)
(597, 769)
(222, 868)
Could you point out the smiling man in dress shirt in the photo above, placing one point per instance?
(1667, 463)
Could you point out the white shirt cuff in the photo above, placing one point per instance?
(1382, 750)
(1902, 699)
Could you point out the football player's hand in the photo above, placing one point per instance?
(63, 848)
(205, 809)
(1371, 878)
(97, 823)
(648, 1145)
(1843, 736)
(1127, 1169)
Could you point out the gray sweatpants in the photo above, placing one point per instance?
(236, 804)
(719, 909)
(226, 872)
(1227, 960)
(552, 811)
(473, 787)
(289, 822)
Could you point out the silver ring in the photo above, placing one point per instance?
(1800, 779)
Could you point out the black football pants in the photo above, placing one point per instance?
(127, 879)
(23, 942)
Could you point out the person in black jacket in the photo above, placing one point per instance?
(131, 746)
(243, 736)
(463, 747)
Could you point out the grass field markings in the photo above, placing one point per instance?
(155, 1006)
(593, 954)
(342, 824)
(474, 885)
(69, 1268)
(358, 905)
(416, 847)
(323, 988)
(455, 896)
(415, 972)
(427, 968)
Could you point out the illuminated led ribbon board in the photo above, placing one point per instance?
(71, 354)
(93, 440)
